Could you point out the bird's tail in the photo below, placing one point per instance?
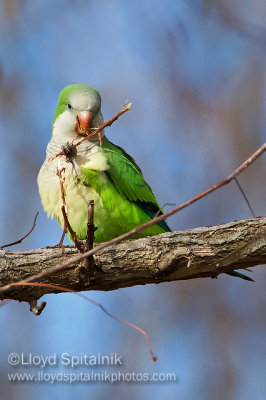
(239, 275)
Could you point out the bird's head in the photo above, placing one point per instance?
(78, 110)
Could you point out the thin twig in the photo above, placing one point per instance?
(24, 237)
(90, 225)
(61, 180)
(96, 303)
(71, 231)
(245, 197)
(125, 108)
(143, 227)
(90, 238)
(160, 210)
(67, 225)
(60, 244)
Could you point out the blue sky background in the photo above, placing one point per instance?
(196, 78)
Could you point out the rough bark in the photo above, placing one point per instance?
(200, 252)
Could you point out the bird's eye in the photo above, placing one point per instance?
(69, 106)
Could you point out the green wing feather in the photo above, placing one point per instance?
(129, 181)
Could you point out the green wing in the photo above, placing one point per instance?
(129, 181)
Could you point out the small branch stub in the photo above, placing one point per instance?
(35, 309)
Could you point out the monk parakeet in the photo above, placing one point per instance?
(102, 172)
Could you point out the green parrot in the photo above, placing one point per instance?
(102, 172)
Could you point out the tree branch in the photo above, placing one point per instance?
(199, 252)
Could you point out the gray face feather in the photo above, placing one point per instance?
(73, 100)
(84, 99)
(81, 98)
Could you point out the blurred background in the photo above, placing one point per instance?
(195, 73)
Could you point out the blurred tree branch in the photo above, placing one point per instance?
(229, 17)
(200, 252)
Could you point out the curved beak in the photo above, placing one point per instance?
(84, 121)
